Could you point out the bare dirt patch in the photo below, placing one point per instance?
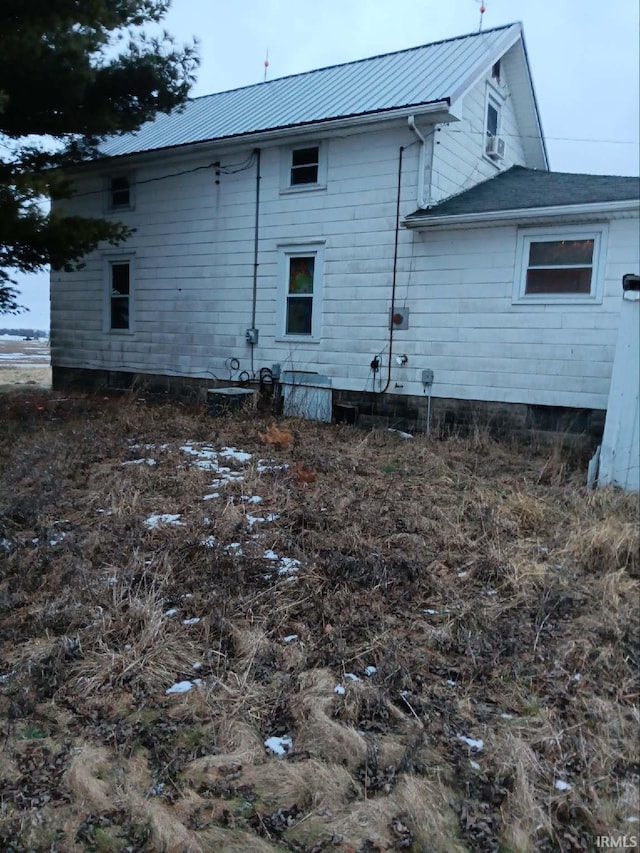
(348, 640)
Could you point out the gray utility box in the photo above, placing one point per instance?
(223, 400)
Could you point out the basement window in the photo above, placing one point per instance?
(119, 293)
(300, 292)
(560, 265)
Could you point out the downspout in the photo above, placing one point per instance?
(256, 236)
(423, 201)
(395, 271)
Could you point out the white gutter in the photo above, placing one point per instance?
(515, 216)
(422, 200)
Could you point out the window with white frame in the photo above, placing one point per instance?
(120, 192)
(300, 291)
(304, 168)
(119, 295)
(560, 264)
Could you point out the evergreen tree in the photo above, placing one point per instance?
(71, 73)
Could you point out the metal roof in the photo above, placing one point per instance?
(523, 189)
(408, 78)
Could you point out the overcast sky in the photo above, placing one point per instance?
(584, 57)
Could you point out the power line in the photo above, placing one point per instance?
(544, 136)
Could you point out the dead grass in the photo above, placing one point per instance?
(444, 590)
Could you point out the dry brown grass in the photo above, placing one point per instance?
(496, 598)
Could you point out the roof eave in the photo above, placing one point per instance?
(520, 215)
(438, 111)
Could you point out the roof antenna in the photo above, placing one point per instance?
(266, 65)
(483, 9)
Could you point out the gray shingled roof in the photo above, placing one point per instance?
(521, 189)
(409, 78)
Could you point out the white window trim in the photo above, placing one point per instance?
(285, 252)
(286, 163)
(109, 260)
(598, 233)
(108, 206)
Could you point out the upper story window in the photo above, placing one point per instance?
(304, 168)
(120, 192)
(493, 117)
(495, 72)
(560, 265)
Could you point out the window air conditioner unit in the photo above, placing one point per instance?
(495, 147)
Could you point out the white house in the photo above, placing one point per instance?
(385, 231)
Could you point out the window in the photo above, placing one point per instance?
(120, 193)
(304, 168)
(495, 72)
(300, 291)
(119, 295)
(493, 118)
(560, 265)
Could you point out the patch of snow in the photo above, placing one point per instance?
(400, 433)
(351, 676)
(577, 677)
(156, 790)
(209, 542)
(270, 555)
(193, 620)
(6, 676)
(491, 592)
(140, 462)
(238, 455)
(288, 565)
(279, 745)
(251, 499)
(154, 521)
(405, 694)
(5, 544)
(235, 549)
(183, 686)
(471, 742)
(206, 520)
(451, 682)
(253, 519)
(340, 689)
(507, 716)
(290, 638)
(370, 670)
(112, 581)
(57, 539)
(211, 496)
(560, 785)
(475, 765)
(264, 465)
(430, 611)
(462, 574)
(272, 516)
(35, 541)
(197, 665)
(171, 611)
(631, 819)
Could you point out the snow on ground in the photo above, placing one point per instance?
(472, 742)
(183, 686)
(154, 521)
(279, 745)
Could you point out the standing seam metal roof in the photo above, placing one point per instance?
(408, 78)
